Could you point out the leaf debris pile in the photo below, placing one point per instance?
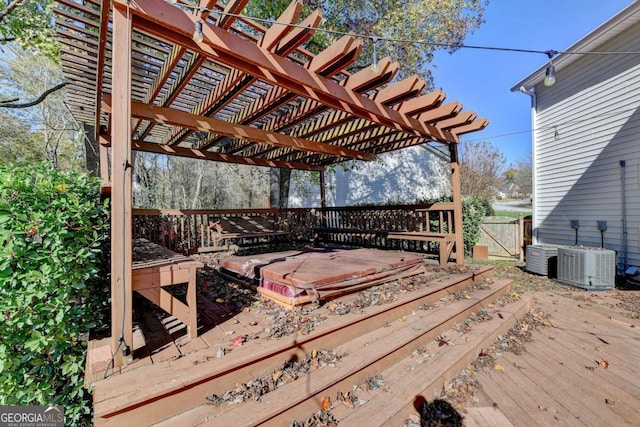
(378, 295)
(285, 322)
(233, 296)
(289, 372)
(462, 389)
(324, 417)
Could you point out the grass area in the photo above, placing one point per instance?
(509, 214)
(523, 281)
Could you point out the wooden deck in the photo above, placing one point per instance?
(581, 370)
(172, 373)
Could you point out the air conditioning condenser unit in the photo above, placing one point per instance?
(542, 259)
(587, 268)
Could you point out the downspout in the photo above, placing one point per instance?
(625, 260)
(534, 172)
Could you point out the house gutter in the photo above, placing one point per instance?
(534, 106)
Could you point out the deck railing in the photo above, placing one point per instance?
(188, 230)
(435, 218)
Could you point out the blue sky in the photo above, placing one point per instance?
(481, 80)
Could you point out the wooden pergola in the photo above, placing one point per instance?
(241, 93)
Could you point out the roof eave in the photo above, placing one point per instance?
(617, 24)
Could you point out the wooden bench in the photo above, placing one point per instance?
(227, 228)
(154, 267)
(446, 241)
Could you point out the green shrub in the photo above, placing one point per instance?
(51, 229)
(473, 212)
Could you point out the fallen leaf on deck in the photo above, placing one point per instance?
(237, 341)
(443, 340)
(498, 368)
(604, 363)
(326, 403)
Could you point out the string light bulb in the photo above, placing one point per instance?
(550, 75)
(197, 32)
(374, 57)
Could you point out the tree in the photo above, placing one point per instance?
(48, 126)
(520, 176)
(171, 182)
(434, 22)
(480, 169)
(30, 23)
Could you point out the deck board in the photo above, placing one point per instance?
(160, 382)
(558, 379)
(479, 417)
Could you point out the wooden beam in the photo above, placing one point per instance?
(121, 238)
(457, 204)
(401, 91)
(186, 74)
(456, 121)
(422, 103)
(219, 157)
(329, 62)
(278, 30)
(235, 81)
(440, 113)
(164, 21)
(300, 34)
(474, 126)
(336, 57)
(362, 81)
(105, 143)
(233, 7)
(208, 124)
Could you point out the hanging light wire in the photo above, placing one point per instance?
(376, 38)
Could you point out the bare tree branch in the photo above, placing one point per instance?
(10, 7)
(10, 104)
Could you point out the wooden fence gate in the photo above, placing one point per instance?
(505, 237)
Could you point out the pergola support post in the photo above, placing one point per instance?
(457, 203)
(323, 199)
(121, 234)
(323, 190)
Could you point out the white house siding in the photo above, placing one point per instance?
(585, 125)
(403, 176)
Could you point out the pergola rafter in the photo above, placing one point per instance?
(245, 94)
